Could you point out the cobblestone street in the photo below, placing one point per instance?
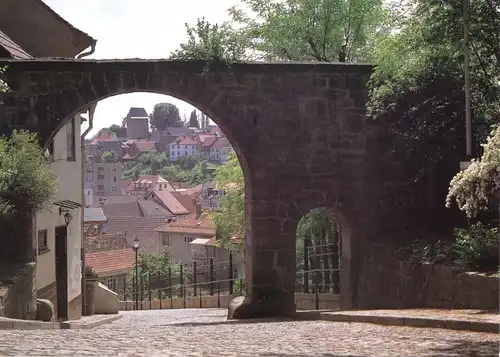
(205, 333)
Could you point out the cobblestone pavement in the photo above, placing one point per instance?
(205, 333)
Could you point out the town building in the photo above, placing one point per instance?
(30, 29)
(182, 147)
(137, 123)
(104, 178)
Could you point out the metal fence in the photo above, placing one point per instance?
(319, 275)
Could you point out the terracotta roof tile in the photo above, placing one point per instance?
(142, 227)
(185, 141)
(209, 141)
(112, 261)
(106, 242)
(170, 201)
(186, 201)
(191, 224)
(221, 143)
(195, 191)
(145, 146)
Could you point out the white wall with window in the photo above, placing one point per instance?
(66, 166)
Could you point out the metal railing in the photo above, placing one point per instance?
(219, 279)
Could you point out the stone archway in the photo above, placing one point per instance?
(299, 130)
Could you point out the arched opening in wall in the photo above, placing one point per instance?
(318, 260)
(156, 148)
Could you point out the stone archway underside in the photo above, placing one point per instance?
(299, 129)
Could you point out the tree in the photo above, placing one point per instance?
(108, 156)
(311, 30)
(165, 115)
(25, 177)
(473, 188)
(417, 85)
(112, 129)
(193, 120)
(230, 220)
(212, 42)
(204, 121)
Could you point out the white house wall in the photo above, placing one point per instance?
(69, 187)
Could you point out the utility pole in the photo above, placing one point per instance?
(468, 119)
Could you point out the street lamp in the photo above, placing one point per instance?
(136, 249)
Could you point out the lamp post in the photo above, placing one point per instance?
(136, 249)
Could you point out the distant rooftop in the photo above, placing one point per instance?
(136, 112)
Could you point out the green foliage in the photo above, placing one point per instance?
(165, 115)
(311, 30)
(230, 220)
(212, 43)
(418, 81)
(112, 129)
(3, 85)
(477, 248)
(108, 156)
(473, 187)
(25, 177)
(90, 273)
(193, 120)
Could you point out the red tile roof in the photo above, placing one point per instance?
(191, 224)
(194, 192)
(185, 141)
(105, 136)
(209, 141)
(221, 143)
(186, 201)
(170, 202)
(111, 262)
(142, 227)
(145, 146)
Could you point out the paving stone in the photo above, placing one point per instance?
(196, 332)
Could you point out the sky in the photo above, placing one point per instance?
(149, 29)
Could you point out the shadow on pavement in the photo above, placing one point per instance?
(227, 322)
(464, 348)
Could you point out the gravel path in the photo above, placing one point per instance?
(195, 332)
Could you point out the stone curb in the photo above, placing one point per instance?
(427, 322)
(77, 325)
(16, 324)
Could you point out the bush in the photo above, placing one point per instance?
(476, 248)
(25, 177)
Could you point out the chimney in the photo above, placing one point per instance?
(198, 211)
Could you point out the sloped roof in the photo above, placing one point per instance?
(40, 31)
(105, 242)
(195, 191)
(110, 262)
(94, 214)
(191, 224)
(170, 202)
(142, 227)
(186, 201)
(16, 52)
(177, 130)
(145, 146)
(137, 113)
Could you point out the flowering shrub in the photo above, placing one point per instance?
(472, 187)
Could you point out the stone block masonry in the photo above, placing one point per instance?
(299, 130)
(17, 292)
(387, 282)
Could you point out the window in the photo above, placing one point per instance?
(166, 240)
(100, 177)
(113, 169)
(70, 140)
(100, 168)
(90, 169)
(100, 187)
(113, 189)
(111, 284)
(114, 178)
(42, 242)
(89, 178)
(188, 240)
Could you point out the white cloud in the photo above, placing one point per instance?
(136, 29)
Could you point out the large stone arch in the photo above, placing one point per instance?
(300, 131)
